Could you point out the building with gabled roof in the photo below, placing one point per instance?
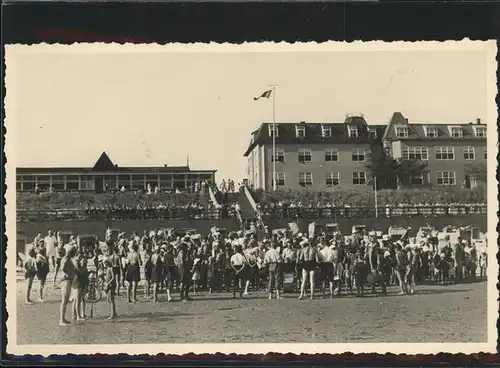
(106, 175)
(330, 156)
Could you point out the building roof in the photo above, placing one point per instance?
(417, 131)
(104, 164)
(314, 133)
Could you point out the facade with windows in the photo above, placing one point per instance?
(321, 156)
(105, 175)
(450, 150)
(312, 155)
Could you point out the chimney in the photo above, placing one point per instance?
(478, 121)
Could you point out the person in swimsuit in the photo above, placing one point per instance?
(170, 270)
(30, 272)
(309, 258)
(148, 271)
(156, 272)
(114, 258)
(76, 292)
(326, 269)
(60, 253)
(133, 272)
(42, 269)
(67, 276)
(110, 281)
(401, 264)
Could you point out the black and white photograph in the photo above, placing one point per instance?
(251, 198)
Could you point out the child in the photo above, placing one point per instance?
(483, 264)
(196, 273)
(30, 272)
(110, 288)
(84, 280)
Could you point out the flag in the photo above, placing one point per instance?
(266, 94)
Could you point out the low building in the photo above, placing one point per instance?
(105, 175)
(321, 156)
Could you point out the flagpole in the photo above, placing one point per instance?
(274, 139)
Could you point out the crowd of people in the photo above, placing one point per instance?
(241, 262)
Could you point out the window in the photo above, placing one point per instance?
(274, 129)
(445, 153)
(417, 180)
(332, 155)
(353, 132)
(304, 155)
(469, 153)
(280, 179)
(300, 131)
(445, 178)
(332, 179)
(470, 182)
(431, 132)
(326, 131)
(72, 185)
(305, 179)
(358, 178)
(373, 133)
(19, 186)
(279, 155)
(73, 177)
(480, 132)
(28, 185)
(415, 153)
(456, 132)
(358, 155)
(401, 132)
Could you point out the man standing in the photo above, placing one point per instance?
(272, 259)
(184, 264)
(326, 268)
(309, 259)
(51, 244)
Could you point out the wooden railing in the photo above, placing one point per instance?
(224, 213)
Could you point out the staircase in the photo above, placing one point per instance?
(246, 209)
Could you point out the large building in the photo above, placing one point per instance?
(334, 156)
(105, 175)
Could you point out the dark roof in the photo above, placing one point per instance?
(417, 131)
(104, 164)
(313, 133)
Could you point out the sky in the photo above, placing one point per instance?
(157, 108)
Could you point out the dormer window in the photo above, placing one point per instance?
(431, 132)
(274, 130)
(456, 132)
(373, 133)
(326, 131)
(402, 132)
(480, 132)
(353, 131)
(300, 131)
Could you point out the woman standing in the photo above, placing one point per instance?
(67, 276)
(77, 289)
(133, 272)
(42, 270)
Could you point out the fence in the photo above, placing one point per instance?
(371, 212)
(266, 213)
(125, 214)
